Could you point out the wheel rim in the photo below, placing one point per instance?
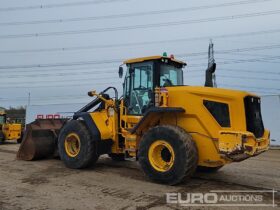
(72, 145)
(161, 155)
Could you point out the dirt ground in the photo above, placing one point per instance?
(48, 184)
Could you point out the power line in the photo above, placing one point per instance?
(250, 87)
(58, 70)
(43, 99)
(238, 77)
(248, 54)
(200, 74)
(250, 78)
(62, 81)
(135, 14)
(152, 43)
(239, 70)
(264, 58)
(79, 63)
(62, 64)
(242, 61)
(252, 90)
(251, 71)
(64, 85)
(116, 82)
(50, 6)
(152, 25)
(83, 96)
(229, 51)
(80, 73)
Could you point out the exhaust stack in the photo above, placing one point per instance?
(210, 79)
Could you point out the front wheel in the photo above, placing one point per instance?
(76, 147)
(167, 154)
(2, 137)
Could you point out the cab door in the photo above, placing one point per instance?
(141, 88)
(138, 89)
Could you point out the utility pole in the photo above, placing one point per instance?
(211, 61)
(210, 78)
(28, 99)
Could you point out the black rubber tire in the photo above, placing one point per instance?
(186, 155)
(205, 169)
(2, 137)
(87, 155)
(19, 140)
(117, 157)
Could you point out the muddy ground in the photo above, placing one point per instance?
(48, 184)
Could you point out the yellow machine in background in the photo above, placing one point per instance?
(171, 129)
(8, 130)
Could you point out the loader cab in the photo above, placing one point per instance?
(143, 75)
(2, 119)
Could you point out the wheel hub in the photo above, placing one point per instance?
(72, 145)
(161, 155)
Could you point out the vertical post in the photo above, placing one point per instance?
(210, 77)
(28, 99)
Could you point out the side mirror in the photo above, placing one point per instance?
(120, 72)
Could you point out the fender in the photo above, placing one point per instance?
(154, 114)
(95, 133)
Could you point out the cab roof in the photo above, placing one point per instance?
(150, 58)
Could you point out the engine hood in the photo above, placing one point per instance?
(209, 91)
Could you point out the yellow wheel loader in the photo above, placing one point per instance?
(8, 130)
(171, 129)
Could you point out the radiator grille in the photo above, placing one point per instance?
(254, 121)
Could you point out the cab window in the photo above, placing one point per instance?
(170, 75)
(141, 89)
(2, 119)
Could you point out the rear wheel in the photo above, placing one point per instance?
(167, 154)
(76, 147)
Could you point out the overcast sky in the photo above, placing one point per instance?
(59, 51)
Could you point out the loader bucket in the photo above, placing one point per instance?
(40, 139)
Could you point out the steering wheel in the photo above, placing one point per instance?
(140, 88)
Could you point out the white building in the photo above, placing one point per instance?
(51, 111)
(271, 116)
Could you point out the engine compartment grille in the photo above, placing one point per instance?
(254, 121)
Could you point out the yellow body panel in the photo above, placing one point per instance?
(211, 139)
(107, 123)
(12, 131)
(102, 122)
